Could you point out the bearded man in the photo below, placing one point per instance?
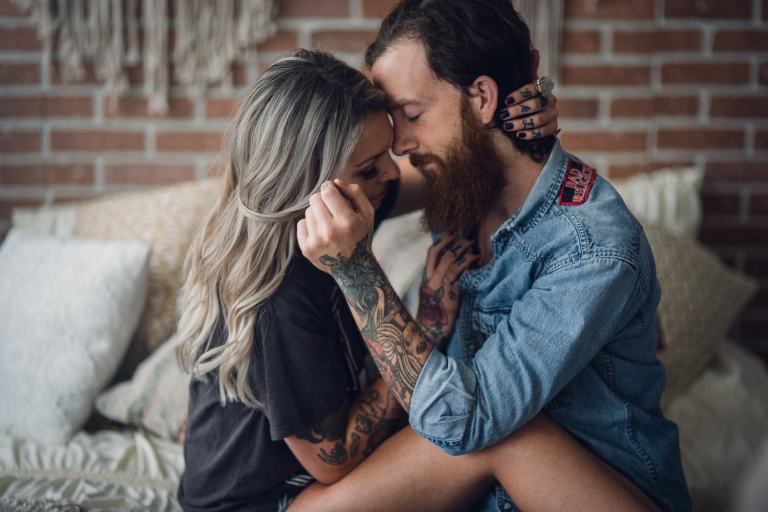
(559, 316)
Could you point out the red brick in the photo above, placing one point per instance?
(763, 73)
(282, 40)
(7, 205)
(658, 106)
(135, 74)
(609, 9)
(137, 107)
(46, 174)
(606, 75)
(19, 142)
(305, 8)
(708, 8)
(19, 38)
(758, 205)
(10, 8)
(343, 40)
(377, 8)
(720, 204)
(701, 139)
(96, 140)
(656, 41)
(46, 106)
(577, 108)
(148, 174)
(188, 141)
(736, 171)
(603, 141)
(623, 171)
(761, 139)
(581, 41)
(739, 106)
(12, 74)
(220, 107)
(733, 236)
(756, 267)
(741, 41)
(705, 73)
(239, 74)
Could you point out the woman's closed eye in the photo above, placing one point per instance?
(370, 173)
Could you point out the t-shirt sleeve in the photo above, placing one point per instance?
(296, 369)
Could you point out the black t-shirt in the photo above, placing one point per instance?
(307, 359)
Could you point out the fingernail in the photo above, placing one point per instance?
(509, 126)
(504, 114)
(520, 135)
(509, 101)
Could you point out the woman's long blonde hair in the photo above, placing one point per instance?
(296, 128)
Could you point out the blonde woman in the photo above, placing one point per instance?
(283, 392)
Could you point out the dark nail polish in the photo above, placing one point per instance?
(509, 101)
(504, 114)
(509, 126)
(520, 135)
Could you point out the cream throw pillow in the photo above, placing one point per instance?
(167, 218)
(68, 309)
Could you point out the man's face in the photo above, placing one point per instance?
(437, 127)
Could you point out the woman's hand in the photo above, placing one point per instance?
(439, 298)
(338, 223)
(529, 114)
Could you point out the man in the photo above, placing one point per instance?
(561, 314)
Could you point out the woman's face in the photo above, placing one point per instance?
(371, 165)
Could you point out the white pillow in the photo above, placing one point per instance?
(68, 309)
(668, 198)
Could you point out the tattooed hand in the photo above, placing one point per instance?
(439, 297)
(337, 218)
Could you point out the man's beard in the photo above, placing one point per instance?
(466, 183)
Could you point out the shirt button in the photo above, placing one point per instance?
(507, 505)
(472, 348)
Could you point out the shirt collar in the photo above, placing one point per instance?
(543, 193)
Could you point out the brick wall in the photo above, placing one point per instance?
(645, 84)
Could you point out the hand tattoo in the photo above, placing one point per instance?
(525, 108)
(395, 341)
(525, 93)
(537, 134)
(527, 123)
(543, 101)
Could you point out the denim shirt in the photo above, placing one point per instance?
(563, 319)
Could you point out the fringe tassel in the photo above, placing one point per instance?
(210, 36)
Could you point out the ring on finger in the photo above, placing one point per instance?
(544, 85)
(446, 280)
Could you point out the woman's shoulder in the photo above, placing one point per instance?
(304, 289)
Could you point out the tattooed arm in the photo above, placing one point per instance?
(337, 239)
(333, 446)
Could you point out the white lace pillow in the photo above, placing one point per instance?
(68, 309)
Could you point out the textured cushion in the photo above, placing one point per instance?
(700, 298)
(156, 398)
(166, 218)
(68, 309)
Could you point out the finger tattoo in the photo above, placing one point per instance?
(537, 134)
(525, 108)
(525, 93)
(527, 123)
(461, 260)
(543, 101)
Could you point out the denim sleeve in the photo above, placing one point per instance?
(549, 336)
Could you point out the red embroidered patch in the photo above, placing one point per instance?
(577, 184)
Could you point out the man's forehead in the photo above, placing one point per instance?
(403, 74)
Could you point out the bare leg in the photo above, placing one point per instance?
(540, 466)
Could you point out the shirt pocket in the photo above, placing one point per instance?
(488, 320)
(563, 399)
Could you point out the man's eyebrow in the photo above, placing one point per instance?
(402, 103)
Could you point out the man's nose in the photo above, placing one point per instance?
(403, 141)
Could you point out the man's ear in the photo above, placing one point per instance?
(485, 94)
(535, 64)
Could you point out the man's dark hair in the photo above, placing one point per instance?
(464, 39)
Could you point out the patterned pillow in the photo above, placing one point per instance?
(156, 398)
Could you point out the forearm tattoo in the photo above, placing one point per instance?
(332, 428)
(374, 421)
(432, 316)
(396, 342)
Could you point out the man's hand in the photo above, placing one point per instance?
(447, 261)
(338, 219)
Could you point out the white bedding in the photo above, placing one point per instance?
(103, 470)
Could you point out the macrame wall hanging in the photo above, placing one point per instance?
(545, 19)
(209, 36)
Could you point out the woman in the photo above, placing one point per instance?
(283, 390)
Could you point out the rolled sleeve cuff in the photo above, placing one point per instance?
(443, 402)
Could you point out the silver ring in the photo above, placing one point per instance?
(544, 85)
(446, 280)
